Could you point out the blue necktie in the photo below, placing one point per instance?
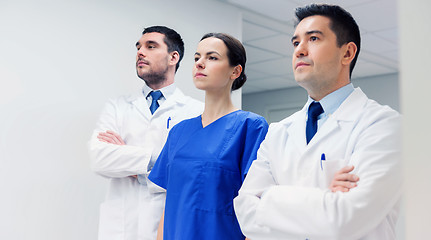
(155, 95)
(314, 110)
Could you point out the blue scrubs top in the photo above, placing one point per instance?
(202, 170)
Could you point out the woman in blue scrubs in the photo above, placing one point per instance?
(205, 159)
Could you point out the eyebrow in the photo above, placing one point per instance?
(147, 42)
(209, 53)
(308, 33)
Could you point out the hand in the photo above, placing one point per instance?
(343, 180)
(110, 137)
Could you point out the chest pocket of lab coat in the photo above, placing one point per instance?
(327, 170)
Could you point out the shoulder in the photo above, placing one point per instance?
(276, 128)
(299, 115)
(384, 110)
(193, 102)
(251, 119)
(372, 111)
(185, 124)
(375, 113)
(187, 101)
(121, 101)
(185, 98)
(367, 116)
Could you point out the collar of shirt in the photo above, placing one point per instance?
(167, 92)
(331, 102)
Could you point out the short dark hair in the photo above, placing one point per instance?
(235, 53)
(172, 39)
(342, 24)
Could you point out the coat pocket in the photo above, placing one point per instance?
(328, 168)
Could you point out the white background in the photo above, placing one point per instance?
(60, 61)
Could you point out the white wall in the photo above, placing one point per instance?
(59, 62)
(415, 38)
(384, 89)
(263, 102)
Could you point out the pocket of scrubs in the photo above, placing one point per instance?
(219, 186)
(111, 222)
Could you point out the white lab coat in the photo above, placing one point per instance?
(286, 192)
(132, 211)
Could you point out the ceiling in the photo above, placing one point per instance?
(268, 26)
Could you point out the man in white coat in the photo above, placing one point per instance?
(131, 133)
(285, 194)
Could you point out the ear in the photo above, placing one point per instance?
(174, 57)
(350, 50)
(236, 72)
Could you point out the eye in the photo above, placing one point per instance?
(313, 38)
(212, 58)
(151, 46)
(196, 59)
(295, 43)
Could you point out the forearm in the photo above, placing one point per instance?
(304, 212)
(117, 161)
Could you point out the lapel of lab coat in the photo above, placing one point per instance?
(296, 130)
(303, 158)
(140, 102)
(177, 98)
(340, 122)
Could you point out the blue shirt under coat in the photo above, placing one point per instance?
(331, 102)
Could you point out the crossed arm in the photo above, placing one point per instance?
(111, 157)
(267, 210)
(112, 138)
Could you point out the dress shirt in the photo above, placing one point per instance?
(166, 93)
(331, 102)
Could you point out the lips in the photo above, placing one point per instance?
(301, 64)
(141, 62)
(200, 75)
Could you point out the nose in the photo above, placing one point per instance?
(200, 64)
(301, 49)
(140, 53)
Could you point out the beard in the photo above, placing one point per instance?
(153, 77)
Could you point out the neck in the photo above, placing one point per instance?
(217, 104)
(170, 75)
(321, 91)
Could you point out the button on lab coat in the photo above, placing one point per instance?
(132, 211)
(286, 192)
